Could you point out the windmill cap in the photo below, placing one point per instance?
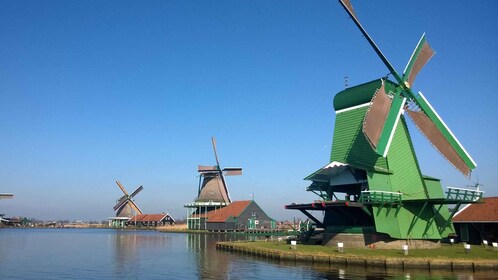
(360, 94)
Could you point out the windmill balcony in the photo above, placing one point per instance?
(463, 195)
(380, 198)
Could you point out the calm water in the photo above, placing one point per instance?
(118, 254)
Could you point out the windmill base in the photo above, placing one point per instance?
(375, 241)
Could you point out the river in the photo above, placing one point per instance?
(126, 254)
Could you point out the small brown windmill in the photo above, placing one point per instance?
(126, 207)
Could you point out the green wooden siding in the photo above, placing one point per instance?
(379, 182)
(415, 217)
(402, 161)
(349, 143)
(434, 188)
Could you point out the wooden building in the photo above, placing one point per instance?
(239, 216)
(151, 220)
(478, 222)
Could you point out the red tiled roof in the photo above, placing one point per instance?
(148, 217)
(481, 212)
(234, 209)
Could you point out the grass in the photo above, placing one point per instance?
(445, 252)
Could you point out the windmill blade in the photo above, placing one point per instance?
(381, 120)
(440, 136)
(213, 140)
(232, 171)
(204, 168)
(376, 116)
(6, 195)
(121, 200)
(349, 9)
(347, 5)
(134, 206)
(121, 187)
(420, 56)
(224, 191)
(139, 189)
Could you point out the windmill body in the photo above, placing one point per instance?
(373, 185)
(212, 193)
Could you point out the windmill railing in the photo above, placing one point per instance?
(463, 195)
(381, 198)
(206, 203)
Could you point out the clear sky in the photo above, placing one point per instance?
(97, 91)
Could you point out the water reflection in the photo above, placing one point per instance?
(210, 263)
(129, 246)
(114, 254)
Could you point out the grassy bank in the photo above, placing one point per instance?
(454, 252)
(446, 257)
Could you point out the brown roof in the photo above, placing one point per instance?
(148, 217)
(486, 212)
(234, 209)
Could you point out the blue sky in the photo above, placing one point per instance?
(97, 91)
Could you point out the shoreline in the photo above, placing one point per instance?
(356, 260)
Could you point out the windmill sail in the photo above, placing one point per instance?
(440, 136)
(421, 55)
(376, 117)
(349, 8)
(134, 206)
(232, 171)
(139, 189)
(120, 202)
(121, 187)
(6, 195)
(381, 119)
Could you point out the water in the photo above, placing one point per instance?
(121, 254)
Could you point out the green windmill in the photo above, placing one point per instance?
(373, 191)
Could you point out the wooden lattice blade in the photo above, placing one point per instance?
(121, 187)
(139, 189)
(6, 195)
(376, 117)
(346, 4)
(232, 171)
(120, 202)
(440, 136)
(135, 207)
(381, 120)
(421, 55)
(213, 140)
(224, 189)
(204, 168)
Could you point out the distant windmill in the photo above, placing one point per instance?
(126, 207)
(212, 184)
(4, 196)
